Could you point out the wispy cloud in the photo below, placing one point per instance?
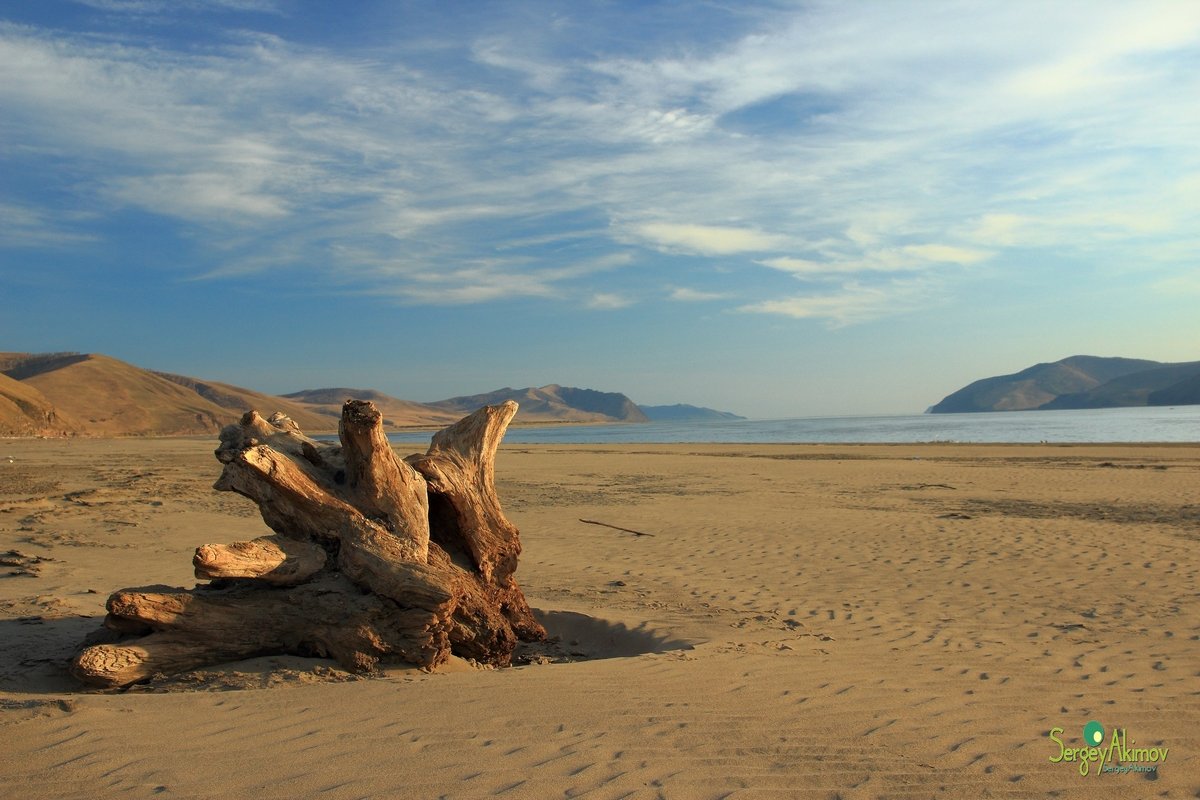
(868, 150)
(907, 258)
(607, 301)
(164, 6)
(707, 239)
(25, 226)
(855, 302)
(478, 284)
(238, 198)
(685, 295)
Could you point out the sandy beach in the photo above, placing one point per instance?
(844, 621)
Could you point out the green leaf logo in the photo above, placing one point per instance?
(1093, 734)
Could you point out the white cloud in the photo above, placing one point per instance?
(871, 228)
(539, 72)
(1100, 62)
(907, 258)
(165, 6)
(853, 302)
(686, 295)
(606, 301)
(802, 266)
(825, 141)
(25, 226)
(671, 125)
(204, 196)
(707, 239)
(1083, 228)
(945, 253)
(1003, 230)
(465, 286)
(410, 218)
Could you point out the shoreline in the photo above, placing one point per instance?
(1086, 426)
(744, 444)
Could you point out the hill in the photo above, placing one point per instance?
(682, 412)
(236, 401)
(107, 397)
(1184, 393)
(97, 395)
(396, 413)
(24, 411)
(553, 403)
(1075, 382)
(1129, 390)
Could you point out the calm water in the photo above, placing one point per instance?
(1165, 424)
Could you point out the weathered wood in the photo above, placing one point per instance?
(468, 524)
(373, 557)
(190, 629)
(113, 665)
(295, 499)
(298, 504)
(460, 467)
(270, 559)
(384, 487)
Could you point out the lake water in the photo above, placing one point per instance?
(1158, 424)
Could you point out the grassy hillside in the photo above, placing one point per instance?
(25, 411)
(111, 398)
(236, 401)
(101, 396)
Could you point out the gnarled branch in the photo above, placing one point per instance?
(373, 557)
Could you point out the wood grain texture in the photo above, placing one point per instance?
(373, 558)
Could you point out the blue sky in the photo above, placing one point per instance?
(780, 209)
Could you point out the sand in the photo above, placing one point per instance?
(803, 621)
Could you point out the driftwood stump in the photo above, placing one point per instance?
(374, 558)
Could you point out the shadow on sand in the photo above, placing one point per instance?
(576, 637)
(37, 650)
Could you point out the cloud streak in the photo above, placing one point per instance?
(707, 239)
(872, 153)
(855, 302)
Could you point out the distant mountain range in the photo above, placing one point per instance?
(396, 413)
(553, 403)
(681, 412)
(96, 395)
(1081, 382)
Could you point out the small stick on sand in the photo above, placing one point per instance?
(616, 527)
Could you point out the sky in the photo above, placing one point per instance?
(777, 209)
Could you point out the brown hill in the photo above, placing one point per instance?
(97, 395)
(1184, 393)
(24, 411)
(554, 403)
(1130, 390)
(101, 396)
(111, 398)
(1076, 382)
(237, 400)
(1038, 385)
(396, 413)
